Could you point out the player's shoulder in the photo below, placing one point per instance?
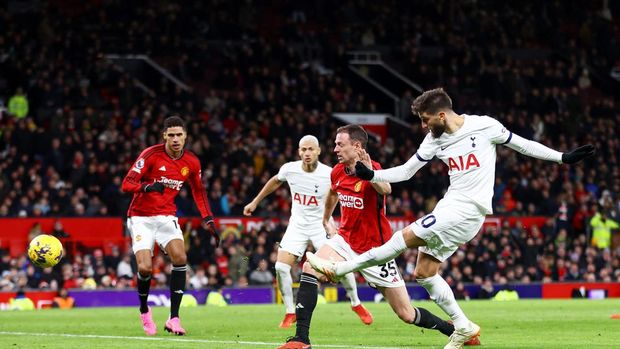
(480, 120)
(152, 150)
(291, 166)
(324, 168)
(191, 156)
(337, 170)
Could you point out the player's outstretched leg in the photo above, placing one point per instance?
(285, 284)
(356, 305)
(375, 256)
(144, 285)
(306, 302)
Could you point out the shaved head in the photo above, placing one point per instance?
(309, 139)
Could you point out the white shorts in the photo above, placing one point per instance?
(451, 224)
(295, 239)
(383, 275)
(146, 231)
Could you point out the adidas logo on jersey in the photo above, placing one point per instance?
(163, 168)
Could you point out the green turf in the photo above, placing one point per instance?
(520, 324)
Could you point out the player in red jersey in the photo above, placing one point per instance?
(363, 225)
(155, 179)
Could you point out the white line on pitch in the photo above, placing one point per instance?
(186, 340)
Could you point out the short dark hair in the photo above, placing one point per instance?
(174, 121)
(431, 102)
(356, 133)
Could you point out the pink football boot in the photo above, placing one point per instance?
(147, 323)
(174, 326)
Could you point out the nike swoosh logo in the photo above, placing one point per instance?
(444, 148)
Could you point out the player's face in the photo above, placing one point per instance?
(436, 123)
(346, 149)
(309, 152)
(175, 138)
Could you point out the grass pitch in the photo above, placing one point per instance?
(518, 324)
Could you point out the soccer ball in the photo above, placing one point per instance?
(45, 251)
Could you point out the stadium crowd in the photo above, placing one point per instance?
(264, 75)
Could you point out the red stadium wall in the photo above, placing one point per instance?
(107, 232)
(565, 289)
(41, 299)
(85, 232)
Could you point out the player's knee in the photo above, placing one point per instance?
(282, 268)
(420, 273)
(145, 270)
(180, 259)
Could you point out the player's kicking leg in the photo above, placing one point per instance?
(176, 250)
(285, 283)
(435, 285)
(143, 258)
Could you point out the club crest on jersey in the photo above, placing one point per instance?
(185, 171)
(138, 237)
(358, 187)
(462, 164)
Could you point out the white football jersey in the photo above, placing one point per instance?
(308, 192)
(470, 155)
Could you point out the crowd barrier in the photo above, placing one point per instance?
(106, 233)
(267, 295)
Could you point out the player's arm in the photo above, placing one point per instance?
(331, 200)
(390, 175)
(132, 183)
(540, 151)
(272, 184)
(199, 194)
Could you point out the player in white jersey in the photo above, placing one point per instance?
(466, 144)
(309, 181)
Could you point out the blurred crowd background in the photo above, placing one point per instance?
(263, 74)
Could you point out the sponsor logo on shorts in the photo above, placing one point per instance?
(138, 238)
(351, 201)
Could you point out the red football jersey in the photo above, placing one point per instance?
(155, 165)
(363, 223)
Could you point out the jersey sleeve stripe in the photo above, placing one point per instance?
(420, 158)
(509, 138)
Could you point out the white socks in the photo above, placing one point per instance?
(442, 294)
(351, 287)
(378, 255)
(285, 284)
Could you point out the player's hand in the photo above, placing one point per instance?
(363, 172)
(364, 158)
(209, 225)
(578, 154)
(249, 209)
(153, 187)
(330, 229)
